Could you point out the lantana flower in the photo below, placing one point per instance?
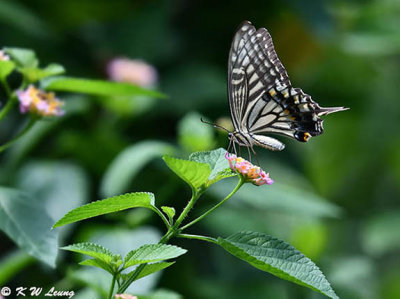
(133, 71)
(39, 102)
(4, 56)
(250, 173)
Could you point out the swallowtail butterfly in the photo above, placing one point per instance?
(261, 97)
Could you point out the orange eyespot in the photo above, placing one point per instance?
(307, 136)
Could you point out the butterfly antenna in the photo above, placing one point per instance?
(214, 125)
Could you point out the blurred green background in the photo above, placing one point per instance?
(336, 198)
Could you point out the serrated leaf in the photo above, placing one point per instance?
(218, 163)
(170, 212)
(23, 57)
(92, 250)
(108, 205)
(128, 164)
(34, 74)
(193, 173)
(97, 87)
(152, 253)
(25, 220)
(98, 264)
(278, 258)
(149, 269)
(6, 67)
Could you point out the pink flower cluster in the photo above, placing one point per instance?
(4, 56)
(39, 102)
(248, 171)
(133, 71)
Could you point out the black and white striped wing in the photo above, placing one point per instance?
(253, 67)
(261, 98)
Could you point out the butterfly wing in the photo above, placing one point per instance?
(262, 100)
(237, 82)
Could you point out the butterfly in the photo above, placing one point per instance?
(261, 98)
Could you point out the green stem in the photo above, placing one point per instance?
(110, 293)
(31, 122)
(162, 216)
(240, 183)
(189, 206)
(172, 231)
(197, 237)
(7, 107)
(139, 269)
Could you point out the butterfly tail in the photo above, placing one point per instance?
(325, 111)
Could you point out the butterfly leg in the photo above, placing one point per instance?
(248, 151)
(255, 155)
(234, 147)
(229, 146)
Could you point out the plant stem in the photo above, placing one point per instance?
(240, 183)
(189, 206)
(110, 293)
(162, 216)
(31, 122)
(7, 107)
(197, 237)
(172, 231)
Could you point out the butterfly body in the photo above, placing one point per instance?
(261, 98)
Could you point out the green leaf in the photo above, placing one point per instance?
(278, 258)
(119, 240)
(149, 269)
(170, 212)
(93, 250)
(108, 205)
(97, 87)
(23, 57)
(193, 135)
(218, 163)
(152, 253)
(128, 164)
(193, 173)
(25, 220)
(34, 74)
(99, 264)
(6, 67)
